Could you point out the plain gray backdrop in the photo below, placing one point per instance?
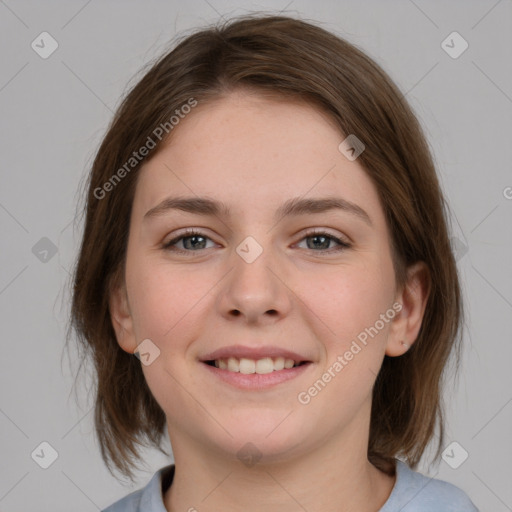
(55, 110)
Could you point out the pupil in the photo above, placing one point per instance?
(324, 245)
(193, 244)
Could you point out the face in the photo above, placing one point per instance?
(254, 283)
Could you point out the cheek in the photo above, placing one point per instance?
(163, 299)
(350, 304)
(348, 300)
(167, 307)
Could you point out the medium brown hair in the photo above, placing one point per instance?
(294, 59)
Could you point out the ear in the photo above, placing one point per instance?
(413, 300)
(121, 318)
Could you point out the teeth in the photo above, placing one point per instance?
(278, 363)
(249, 366)
(264, 365)
(233, 365)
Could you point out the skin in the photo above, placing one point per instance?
(253, 153)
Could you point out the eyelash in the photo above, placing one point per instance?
(167, 246)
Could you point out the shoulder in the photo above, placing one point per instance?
(415, 492)
(147, 499)
(130, 503)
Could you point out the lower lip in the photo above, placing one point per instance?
(256, 381)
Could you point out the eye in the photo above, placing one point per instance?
(321, 240)
(191, 239)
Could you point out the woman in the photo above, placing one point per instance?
(266, 233)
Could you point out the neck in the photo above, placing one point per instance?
(335, 476)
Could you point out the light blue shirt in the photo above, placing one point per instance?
(412, 492)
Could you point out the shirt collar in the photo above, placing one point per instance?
(152, 498)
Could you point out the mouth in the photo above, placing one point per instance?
(254, 369)
(260, 366)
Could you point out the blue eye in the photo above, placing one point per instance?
(193, 241)
(190, 235)
(322, 239)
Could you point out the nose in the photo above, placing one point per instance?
(256, 291)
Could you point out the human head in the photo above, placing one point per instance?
(274, 57)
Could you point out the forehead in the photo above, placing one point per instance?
(251, 151)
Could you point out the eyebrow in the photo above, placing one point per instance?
(295, 206)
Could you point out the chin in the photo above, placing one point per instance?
(262, 439)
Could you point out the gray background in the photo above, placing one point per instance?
(54, 112)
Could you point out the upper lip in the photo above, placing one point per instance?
(255, 353)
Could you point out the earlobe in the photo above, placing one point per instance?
(121, 319)
(413, 300)
(405, 345)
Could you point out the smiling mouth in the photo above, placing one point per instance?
(260, 366)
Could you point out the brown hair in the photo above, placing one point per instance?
(294, 59)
